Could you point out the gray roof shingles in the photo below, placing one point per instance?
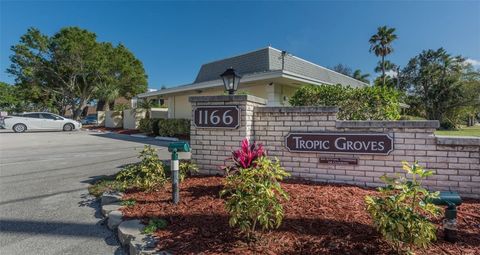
(270, 59)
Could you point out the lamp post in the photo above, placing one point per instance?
(231, 79)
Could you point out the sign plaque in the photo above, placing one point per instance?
(216, 117)
(339, 161)
(340, 143)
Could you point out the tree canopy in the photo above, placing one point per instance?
(444, 86)
(72, 68)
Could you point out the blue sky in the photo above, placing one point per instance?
(173, 39)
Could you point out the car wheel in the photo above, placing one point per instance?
(68, 127)
(19, 128)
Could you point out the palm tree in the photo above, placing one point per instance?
(146, 105)
(121, 108)
(361, 77)
(386, 65)
(107, 92)
(381, 45)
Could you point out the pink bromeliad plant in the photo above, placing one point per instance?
(252, 191)
(246, 156)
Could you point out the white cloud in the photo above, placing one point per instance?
(472, 62)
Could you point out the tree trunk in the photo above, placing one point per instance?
(106, 106)
(78, 110)
(471, 121)
(383, 69)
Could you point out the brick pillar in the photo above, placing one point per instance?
(211, 147)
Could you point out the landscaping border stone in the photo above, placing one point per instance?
(129, 232)
(110, 198)
(108, 208)
(114, 219)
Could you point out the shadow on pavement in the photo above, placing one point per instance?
(163, 154)
(36, 197)
(56, 228)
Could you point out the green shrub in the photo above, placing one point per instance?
(324, 95)
(173, 127)
(253, 196)
(145, 175)
(145, 126)
(364, 103)
(187, 168)
(154, 125)
(153, 225)
(399, 213)
(447, 125)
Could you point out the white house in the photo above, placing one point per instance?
(267, 73)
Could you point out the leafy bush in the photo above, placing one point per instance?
(121, 107)
(447, 125)
(173, 127)
(399, 213)
(146, 175)
(154, 125)
(324, 95)
(254, 193)
(153, 225)
(186, 168)
(145, 126)
(364, 103)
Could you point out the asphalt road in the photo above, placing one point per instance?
(44, 203)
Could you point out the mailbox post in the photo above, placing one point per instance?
(174, 148)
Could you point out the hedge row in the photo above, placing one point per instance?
(165, 127)
(365, 103)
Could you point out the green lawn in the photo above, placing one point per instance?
(464, 131)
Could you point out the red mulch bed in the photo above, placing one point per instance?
(114, 130)
(319, 219)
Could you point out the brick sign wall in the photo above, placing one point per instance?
(212, 144)
(456, 161)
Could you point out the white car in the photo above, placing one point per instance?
(38, 121)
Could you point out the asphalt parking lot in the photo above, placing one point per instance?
(44, 204)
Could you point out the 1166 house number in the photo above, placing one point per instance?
(216, 116)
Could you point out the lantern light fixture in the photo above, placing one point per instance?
(231, 79)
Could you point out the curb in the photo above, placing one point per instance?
(139, 135)
(168, 139)
(129, 232)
